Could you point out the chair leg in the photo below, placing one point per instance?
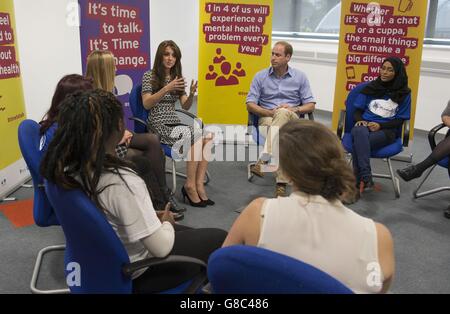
(418, 194)
(395, 180)
(174, 177)
(207, 177)
(250, 175)
(391, 176)
(37, 268)
(349, 158)
(416, 191)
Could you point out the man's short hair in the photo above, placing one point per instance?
(288, 50)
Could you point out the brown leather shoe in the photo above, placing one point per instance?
(280, 190)
(256, 169)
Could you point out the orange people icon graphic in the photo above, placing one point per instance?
(219, 58)
(239, 71)
(228, 76)
(223, 80)
(212, 74)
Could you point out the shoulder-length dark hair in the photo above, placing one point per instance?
(158, 71)
(67, 85)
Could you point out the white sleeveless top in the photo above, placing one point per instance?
(324, 234)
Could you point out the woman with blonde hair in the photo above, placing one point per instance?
(312, 224)
(101, 68)
(162, 87)
(133, 146)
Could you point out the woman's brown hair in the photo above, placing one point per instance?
(67, 85)
(158, 71)
(313, 158)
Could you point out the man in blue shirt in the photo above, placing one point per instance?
(277, 95)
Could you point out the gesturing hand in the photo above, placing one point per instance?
(193, 88)
(126, 139)
(178, 84)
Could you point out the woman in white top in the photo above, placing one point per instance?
(82, 155)
(312, 224)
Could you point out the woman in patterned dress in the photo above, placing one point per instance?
(142, 149)
(162, 87)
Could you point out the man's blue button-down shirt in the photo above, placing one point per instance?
(270, 91)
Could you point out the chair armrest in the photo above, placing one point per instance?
(138, 120)
(130, 268)
(341, 124)
(187, 113)
(311, 116)
(432, 135)
(406, 130)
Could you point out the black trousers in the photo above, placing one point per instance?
(198, 243)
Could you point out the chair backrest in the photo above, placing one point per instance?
(350, 106)
(137, 108)
(91, 243)
(252, 270)
(29, 141)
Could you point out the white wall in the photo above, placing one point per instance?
(49, 48)
(177, 20)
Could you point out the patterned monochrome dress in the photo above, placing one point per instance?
(163, 118)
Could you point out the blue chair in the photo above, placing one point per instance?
(95, 259)
(346, 124)
(140, 117)
(43, 214)
(244, 269)
(443, 163)
(258, 138)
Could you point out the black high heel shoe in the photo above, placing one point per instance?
(193, 204)
(209, 201)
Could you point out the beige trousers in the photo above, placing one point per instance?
(269, 127)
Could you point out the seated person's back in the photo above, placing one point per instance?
(312, 224)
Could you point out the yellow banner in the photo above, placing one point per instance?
(372, 30)
(12, 107)
(235, 43)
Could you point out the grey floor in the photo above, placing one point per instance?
(421, 233)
